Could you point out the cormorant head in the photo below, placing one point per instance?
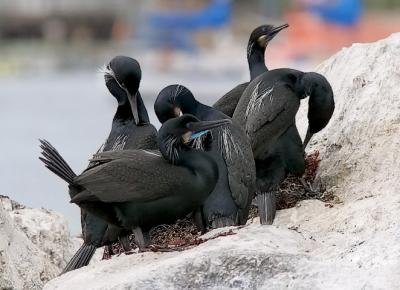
(176, 134)
(122, 76)
(321, 102)
(263, 34)
(173, 101)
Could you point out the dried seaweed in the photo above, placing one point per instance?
(178, 234)
(292, 190)
(184, 234)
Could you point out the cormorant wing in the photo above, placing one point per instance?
(108, 156)
(228, 102)
(236, 150)
(130, 175)
(290, 148)
(271, 110)
(147, 139)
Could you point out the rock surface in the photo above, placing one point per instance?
(35, 245)
(351, 243)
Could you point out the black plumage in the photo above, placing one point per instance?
(139, 189)
(228, 204)
(258, 42)
(321, 105)
(267, 109)
(122, 77)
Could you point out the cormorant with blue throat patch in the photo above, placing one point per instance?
(139, 189)
(229, 203)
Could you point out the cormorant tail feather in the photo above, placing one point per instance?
(81, 258)
(55, 163)
(266, 203)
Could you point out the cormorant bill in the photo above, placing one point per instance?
(229, 203)
(131, 127)
(258, 42)
(321, 104)
(139, 189)
(125, 134)
(267, 109)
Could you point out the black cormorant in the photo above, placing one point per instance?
(122, 77)
(228, 204)
(258, 42)
(267, 110)
(139, 189)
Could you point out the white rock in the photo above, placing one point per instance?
(48, 230)
(354, 245)
(34, 246)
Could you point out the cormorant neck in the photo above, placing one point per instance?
(118, 93)
(124, 111)
(199, 162)
(143, 115)
(177, 153)
(190, 106)
(256, 61)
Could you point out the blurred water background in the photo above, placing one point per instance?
(51, 52)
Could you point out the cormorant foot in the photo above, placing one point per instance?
(108, 252)
(307, 187)
(140, 239)
(145, 249)
(221, 222)
(124, 241)
(266, 203)
(198, 220)
(126, 252)
(130, 252)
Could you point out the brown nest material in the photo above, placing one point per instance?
(292, 190)
(312, 164)
(190, 243)
(181, 233)
(179, 236)
(184, 234)
(253, 212)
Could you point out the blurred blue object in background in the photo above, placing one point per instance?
(175, 29)
(216, 14)
(341, 12)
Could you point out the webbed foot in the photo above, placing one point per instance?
(311, 192)
(141, 240)
(125, 244)
(108, 252)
